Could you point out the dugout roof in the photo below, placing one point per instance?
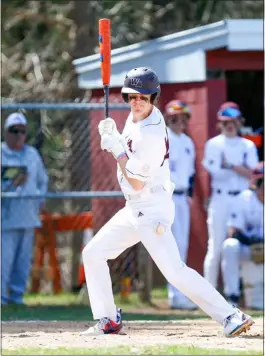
(176, 58)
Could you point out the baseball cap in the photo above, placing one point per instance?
(176, 107)
(229, 104)
(15, 118)
(229, 114)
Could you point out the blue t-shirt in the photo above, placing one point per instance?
(23, 213)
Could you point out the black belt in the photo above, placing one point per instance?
(179, 192)
(230, 192)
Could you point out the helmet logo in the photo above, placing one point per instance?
(136, 82)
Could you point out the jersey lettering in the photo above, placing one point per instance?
(129, 144)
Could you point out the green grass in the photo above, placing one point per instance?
(66, 306)
(81, 313)
(126, 350)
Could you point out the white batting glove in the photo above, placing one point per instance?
(113, 144)
(107, 127)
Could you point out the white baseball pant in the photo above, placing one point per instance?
(218, 214)
(234, 253)
(181, 232)
(126, 229)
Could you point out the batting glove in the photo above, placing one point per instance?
(112, 143)
(107, 127)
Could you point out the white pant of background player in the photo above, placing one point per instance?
(181, 233)
(236, 263)
(218, 214)
(126, 229)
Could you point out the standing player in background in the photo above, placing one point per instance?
(229, 159)
(182, 169)
(142, 156)
(245, 229)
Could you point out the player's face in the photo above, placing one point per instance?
(230, 128)
(140, 105)
(16, 136)
(177, 123)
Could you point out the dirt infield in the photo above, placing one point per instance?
(199, 333)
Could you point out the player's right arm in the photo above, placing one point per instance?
(148, 157)
(250, 161)
(150, 153)
(212, 160)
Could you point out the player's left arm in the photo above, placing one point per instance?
(250, 161)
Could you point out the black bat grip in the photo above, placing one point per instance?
(106, 97)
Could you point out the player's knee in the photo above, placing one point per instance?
(91, 252)
(174, 276)
(230, 247)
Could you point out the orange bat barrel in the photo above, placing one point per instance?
(105, 49)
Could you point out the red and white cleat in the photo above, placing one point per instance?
(105, 326)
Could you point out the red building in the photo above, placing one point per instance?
(204, 66)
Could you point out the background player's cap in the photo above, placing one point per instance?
(229, 104)
(229, 114)
(175, 107)
(15, 118)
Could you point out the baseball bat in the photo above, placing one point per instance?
(104, 50)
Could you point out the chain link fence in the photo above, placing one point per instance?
(82, 178)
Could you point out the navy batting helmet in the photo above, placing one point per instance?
(141, 80)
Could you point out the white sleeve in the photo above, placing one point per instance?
(193, 157)
(212, 161)
(252, 158)
(236, 217)
(148, 157)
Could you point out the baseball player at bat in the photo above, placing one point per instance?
(245, 240)
(229, 159)
(141, 153)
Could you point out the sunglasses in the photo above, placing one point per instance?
(142, 98)
(16, 131)
(227, 122)
(175, 120)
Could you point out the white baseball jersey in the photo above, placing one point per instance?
(148, 150)
(237, 151)
(247, 214)
(181, 161)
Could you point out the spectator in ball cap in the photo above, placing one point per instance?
(22, 173)
(15, 130)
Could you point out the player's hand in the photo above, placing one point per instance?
(20, 179)
(113, 144)
(225, 164)
(107, 127)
